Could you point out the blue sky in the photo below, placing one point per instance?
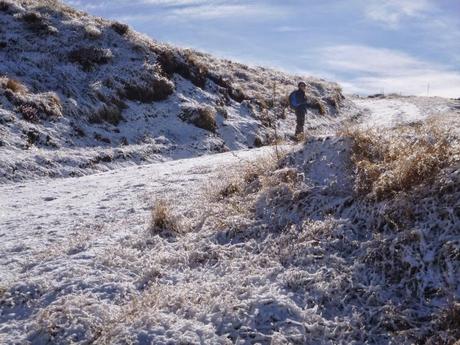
(368, 46)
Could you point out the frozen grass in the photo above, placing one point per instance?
(15, 86)
(400, 159)
(163, 221)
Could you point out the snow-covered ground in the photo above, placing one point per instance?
(394, 111)
(77, 264)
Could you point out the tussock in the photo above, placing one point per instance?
(201, 116)
(15, 86)
(163, 222)
(119, 28)
(394, 162)
(90, 57)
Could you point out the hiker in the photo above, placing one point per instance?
(299, 102)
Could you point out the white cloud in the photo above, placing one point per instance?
(225, 10)
(187, 9)
(376, 69)
(287, 28)
(392, 12)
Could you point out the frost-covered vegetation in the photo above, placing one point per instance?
(351, 237)
(287, 248)
(83, 87)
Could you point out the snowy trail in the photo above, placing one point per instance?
(38, 214)
(391, 112)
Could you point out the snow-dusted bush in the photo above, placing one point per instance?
(92, 32)
(184, 63)
(109, 113)
(119, 28)
(150, 87)
(37, 23)
(29, 113)
(45, 105)
(89, 57)
(201, 116)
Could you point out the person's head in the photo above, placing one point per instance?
(302, 85)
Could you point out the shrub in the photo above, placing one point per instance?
(15, 86)
(321, 108)
(88, 57)
(50, 104)
(29, 113)
(119, 28)
(92, 32)
(202, 117)
(108, 113)
(36, 22)
(237, 94)
(185, 64)
(156, 88)
(162, 221)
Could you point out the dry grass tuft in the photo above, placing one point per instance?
(119, 28)
(411, 155)
(15, 86)
(248, 179)
(108, 113)
(202, 117)
(89, 57)
(146, 91)
(185, 63)
(163, 222)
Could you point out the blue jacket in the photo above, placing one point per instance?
(297, 98)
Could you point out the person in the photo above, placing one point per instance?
(299, 102)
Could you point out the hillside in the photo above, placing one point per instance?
(176, 229)
(80, 94)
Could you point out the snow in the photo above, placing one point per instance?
(395, 111)
(296, 258)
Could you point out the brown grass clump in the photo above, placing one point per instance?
(185, 63)
(154, 88)
(202, 117)
(321, 108)
(249, 178)
(410, 156)
(108, 113)
(36, 22)
(15, 86)
(162, 220)
(119, 28)
(89, 57)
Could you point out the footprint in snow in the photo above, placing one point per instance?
(49, 198)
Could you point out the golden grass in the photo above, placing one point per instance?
(409, 155)
(15, 86)
(162, 220)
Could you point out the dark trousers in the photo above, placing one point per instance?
(300, 114)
